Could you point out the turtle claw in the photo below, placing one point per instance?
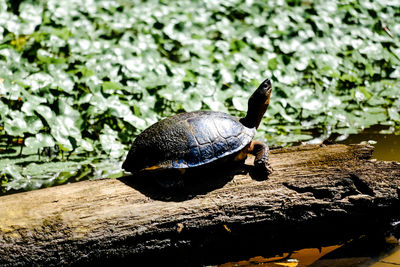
(261, 171)
(268, 169)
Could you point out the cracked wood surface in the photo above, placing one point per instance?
(314, 190)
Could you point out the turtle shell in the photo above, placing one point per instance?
(187, 140)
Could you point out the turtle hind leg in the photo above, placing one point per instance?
(262, 168)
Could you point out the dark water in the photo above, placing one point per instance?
(387, 146)
(380, 250)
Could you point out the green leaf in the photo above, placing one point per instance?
(110, 86)
(193, 102)
(272, 64)
(110, 144)
(240, 103)
(34, 124)
(16, 126)
(394, 114)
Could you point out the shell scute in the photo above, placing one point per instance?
(193, 157)
(206, 153)
(228, 127)
(220, 146)
(204, 130)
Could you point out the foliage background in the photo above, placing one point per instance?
(88, 75)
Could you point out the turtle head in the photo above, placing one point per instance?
(257, 105)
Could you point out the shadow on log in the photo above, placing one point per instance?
(195, 181)
(316, 196)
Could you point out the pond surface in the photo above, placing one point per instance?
(376, 251)
(387, 146)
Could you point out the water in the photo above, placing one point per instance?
(376, 251)
(387, 146)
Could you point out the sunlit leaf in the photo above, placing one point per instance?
(394, 114)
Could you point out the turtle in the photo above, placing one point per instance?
(201, 139)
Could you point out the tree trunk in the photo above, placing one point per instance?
(316, 195)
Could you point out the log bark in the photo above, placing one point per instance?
(317, 194)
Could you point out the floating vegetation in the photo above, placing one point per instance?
(88, 76)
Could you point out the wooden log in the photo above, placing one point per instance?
(316, 194)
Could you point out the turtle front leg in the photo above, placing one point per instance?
(260, 150)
